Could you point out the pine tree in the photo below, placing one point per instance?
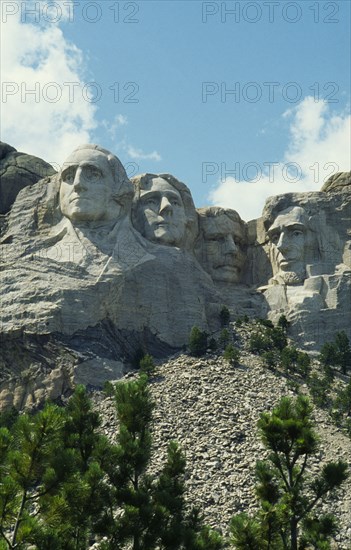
(147, 365)
(270, 359)
(33, 466)
(224, 337)
(246, 533)
(224, 316)
(293, 360)
(151, 512)
(341, 408)
(125, 467)
(327, 354)
(343, 400)
(169, 498)
(343, 351)
(72, 514)
(197, 342)
(337, 353)
(283, 323)
(288, 494)
(62, 483)
(232, 355)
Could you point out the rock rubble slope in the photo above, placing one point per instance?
(211, 409)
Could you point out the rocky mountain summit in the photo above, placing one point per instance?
(211, 408)
(95, 266)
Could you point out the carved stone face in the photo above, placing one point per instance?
(87, 187)
(223, 240)
(162, 214)
(288, 241)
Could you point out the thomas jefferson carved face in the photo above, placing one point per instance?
(161, 213)
(288, 237)
(223, 241)
(87, 187)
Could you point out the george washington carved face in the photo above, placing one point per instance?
(92, 183)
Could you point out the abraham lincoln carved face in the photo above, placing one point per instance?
(288, 236)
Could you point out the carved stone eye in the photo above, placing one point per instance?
(150, 202)
(92, 173)
(274, 238)
(175, 202)
(69, 175)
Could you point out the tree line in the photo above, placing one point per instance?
(64, 486)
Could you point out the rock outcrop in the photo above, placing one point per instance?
(341, 181)
(103, 266)
(18, 170)
(75, 268)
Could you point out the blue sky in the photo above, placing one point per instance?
(176, 65)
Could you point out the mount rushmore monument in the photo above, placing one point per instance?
(95, 266)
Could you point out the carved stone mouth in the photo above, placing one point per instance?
(78, 198)
(229, 267)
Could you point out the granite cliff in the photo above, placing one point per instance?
(95, 266)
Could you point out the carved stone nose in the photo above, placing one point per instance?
(229, 245)
(78, 181)
(282, 243)
(165, 205)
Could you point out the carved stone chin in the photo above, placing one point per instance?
(288, 278)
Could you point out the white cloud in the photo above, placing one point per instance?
(45, 100)
(138, 154)
(319, 146)
(48, 106)
(113, 126)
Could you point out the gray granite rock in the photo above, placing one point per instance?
(90, 257)
(73, 263)
(18, 170)
(341, 181)
(307, 239)
(211, 409)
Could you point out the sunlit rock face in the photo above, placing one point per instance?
(222, 244)
(163, 211)
(308, 241)
(72, 261)
(291, 243)
(339, 182)
(93, 183)
(97, 266)
(221, 248)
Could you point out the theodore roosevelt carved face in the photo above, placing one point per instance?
(92, 184)
(221, 248)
